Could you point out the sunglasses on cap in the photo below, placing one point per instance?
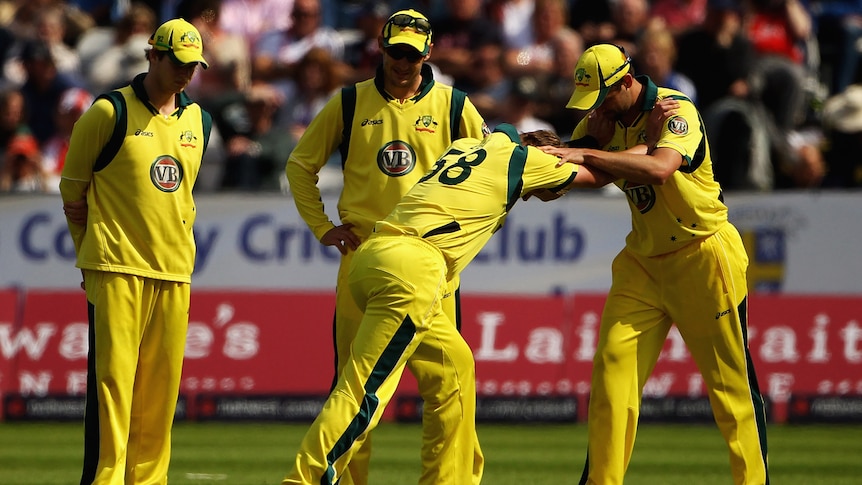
(623, 66)
(413, 56)
(404, 20)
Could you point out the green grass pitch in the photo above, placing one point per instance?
(260, 454)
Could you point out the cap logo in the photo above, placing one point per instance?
(190, 39)
(582, 78)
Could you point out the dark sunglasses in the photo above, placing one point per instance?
(412, 56)
(403, 20)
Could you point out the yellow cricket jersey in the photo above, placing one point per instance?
(140, 205)
(688, 207)
(386, 147)
(465, 198)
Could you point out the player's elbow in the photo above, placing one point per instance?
(667, 162)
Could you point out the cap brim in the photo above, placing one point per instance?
(188, 57)
(586, 100)
(417, 42)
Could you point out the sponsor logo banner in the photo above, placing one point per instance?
(280, 344)
(260, 242)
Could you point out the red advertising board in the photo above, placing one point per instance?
(259, 343)
(279, 343)
(8, 319)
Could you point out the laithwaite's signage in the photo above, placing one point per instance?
(278, 344)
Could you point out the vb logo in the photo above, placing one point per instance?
(166, 173)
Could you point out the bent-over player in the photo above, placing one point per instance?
(398, 278)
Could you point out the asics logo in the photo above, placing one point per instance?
(140, 132)
(366, 122)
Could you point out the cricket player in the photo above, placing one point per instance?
(398, 277)
(127, 183)
(389, 131)
(683, 263)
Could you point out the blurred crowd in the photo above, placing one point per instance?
(777, 82)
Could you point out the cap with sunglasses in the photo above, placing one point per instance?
(599, 68)
(408, 27)
(181, 40)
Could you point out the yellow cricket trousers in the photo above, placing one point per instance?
(137, 339)
(702, 289)
(347, 319)
(398, 282)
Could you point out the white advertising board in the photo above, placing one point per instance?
(800, 243)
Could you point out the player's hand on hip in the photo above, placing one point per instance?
(341, 237)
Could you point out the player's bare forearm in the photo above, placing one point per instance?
(653, 169)
(633, 165)
(591, 178)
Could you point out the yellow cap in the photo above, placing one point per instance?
(181, 40)
(598, 69)
(408, 27)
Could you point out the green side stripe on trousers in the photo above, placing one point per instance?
(382, 369)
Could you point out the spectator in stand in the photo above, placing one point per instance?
(657, 59)
(72, 105)
(842, 119)
(459, 33)
(42, 89)
(252, 18)
(839, 33)
(276, 54)
(537, 58)
(50, 26)
(560, 83)
(256, 153)
(363, 55)
(111, 56)
(717, 56)
(780, 31)
(24, 21)
(630, 19)
(7, 50)
(519, 108)
(486, 82)
(227, 53)
(104, 13)
(679, 16)
(317, 78)
(592, 19)
(510, 15)
(12, 117)
(719, 59)
(22, 167)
